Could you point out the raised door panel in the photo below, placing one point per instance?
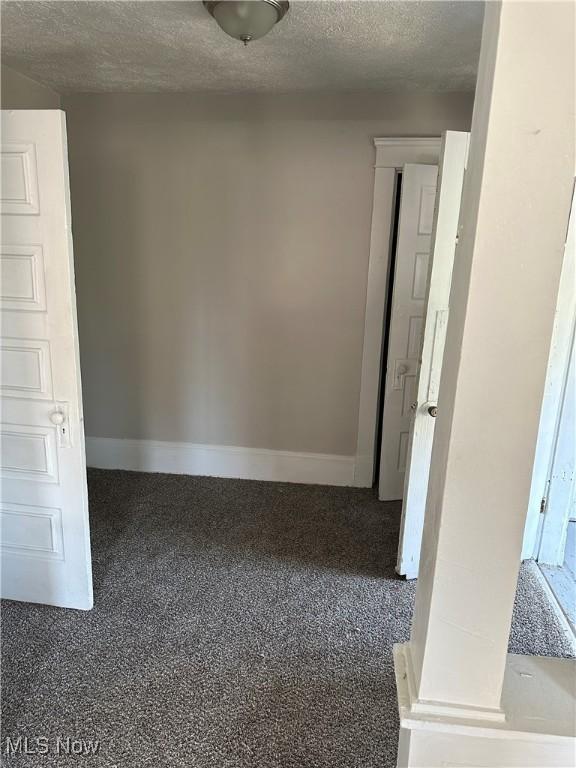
(19, 177)
(22, 285)
(25, 368)
(29, 453)
(31, 531)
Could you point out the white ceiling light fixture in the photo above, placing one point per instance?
(247, 20)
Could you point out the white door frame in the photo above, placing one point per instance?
(560, 346)
(391, 155)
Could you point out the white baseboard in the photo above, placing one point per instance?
(219, 461)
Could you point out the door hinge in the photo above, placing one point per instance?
(544, 502)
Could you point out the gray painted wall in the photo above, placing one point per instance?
(221, 248)
(21, 92)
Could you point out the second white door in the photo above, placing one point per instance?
(418, 194)
(451, 179)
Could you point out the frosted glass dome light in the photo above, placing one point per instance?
(247, 20)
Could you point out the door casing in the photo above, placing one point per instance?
(391, 156)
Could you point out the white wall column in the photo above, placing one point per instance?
(513, 226)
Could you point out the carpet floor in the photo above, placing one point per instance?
(237, 624)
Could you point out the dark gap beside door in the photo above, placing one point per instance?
(386, 329)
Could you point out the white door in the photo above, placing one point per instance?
(45, 541)
(418, 193)
(554, 387)
(450, 181)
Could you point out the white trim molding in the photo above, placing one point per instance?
(412, 705)
(219, 461)
(535, 726)
(391, 155)
(395, 153)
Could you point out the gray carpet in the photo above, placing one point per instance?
(237, 624)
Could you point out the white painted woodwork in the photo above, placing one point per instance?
(538, 729)
(562, 338)
(45, 543)
(391, 155)
(19, 173)
(220, 461)
(397, 152)
(504, 288)
(416, 217)
(445, 231)
(561, 481)
(22, 278)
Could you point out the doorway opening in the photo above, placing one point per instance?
(392, 156)
(386, 326)
(550, 532)
(427, 226)
(557, 535)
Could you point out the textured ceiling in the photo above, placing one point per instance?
(151, 46)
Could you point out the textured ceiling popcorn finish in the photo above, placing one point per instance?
(177, 47)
